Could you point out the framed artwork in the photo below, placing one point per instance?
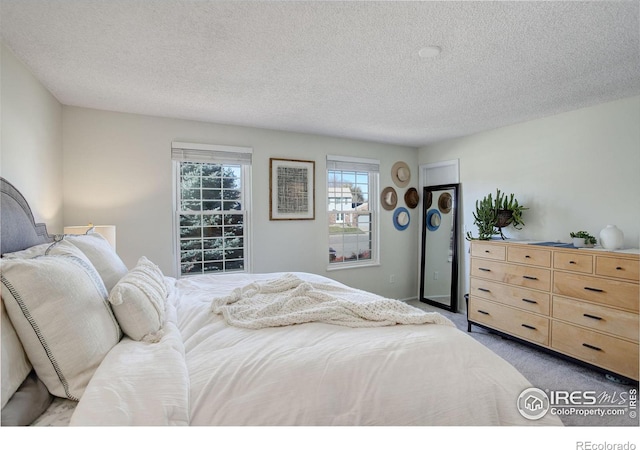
(291, 189)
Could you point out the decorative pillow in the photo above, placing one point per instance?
(58, 306)
(15, 364)
(31, 252)
(102, 256)
(138, 301)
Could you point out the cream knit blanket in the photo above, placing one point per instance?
(289, 300)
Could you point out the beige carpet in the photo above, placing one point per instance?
(550, 373)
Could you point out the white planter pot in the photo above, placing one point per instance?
(580, 243)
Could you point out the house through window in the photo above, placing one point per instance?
(352, 195)
(211, 219)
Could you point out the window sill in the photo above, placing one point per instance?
(332, 267)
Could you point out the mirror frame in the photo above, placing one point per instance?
(453, 307)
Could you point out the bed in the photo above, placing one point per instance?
(88, 341)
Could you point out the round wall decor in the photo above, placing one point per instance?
(445, 202)
(401, 174)
(401, 218)
(433, 219)
(411, 197)
(428, 199)
(389, 198)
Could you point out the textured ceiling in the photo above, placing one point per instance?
(348, 69)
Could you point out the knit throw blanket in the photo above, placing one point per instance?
(289, 300)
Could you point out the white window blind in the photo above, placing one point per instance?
(351, 163)
(219, 154)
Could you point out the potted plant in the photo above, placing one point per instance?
(494, 214)
(582, 239)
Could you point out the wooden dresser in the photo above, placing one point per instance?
(582, 303)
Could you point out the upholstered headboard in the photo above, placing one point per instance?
(18, 229)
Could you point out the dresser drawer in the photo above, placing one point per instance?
(531, 277)
(598, 318)
(527, 299)
(626, 269)
(491, 251)
(519, 323)
(576, 262)
(528, 255)
(598, 349)
(620, 294)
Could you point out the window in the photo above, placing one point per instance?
(211, 205)
(352, 196)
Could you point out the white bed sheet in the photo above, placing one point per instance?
(205, 372)
(58, 414)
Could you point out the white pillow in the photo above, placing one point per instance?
(103, 257)
(31, 252)
(15, 364)
(138, 301)
(58, 306)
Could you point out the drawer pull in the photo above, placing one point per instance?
(592, 317)
(527, 256)
(528, 326)
(484, 269)
(592, 347)
(529, 301)
(572, 262)
(484, 290)
(619, 268)
(487, 251)
(527, 277)
(483, 312)
(593, 289)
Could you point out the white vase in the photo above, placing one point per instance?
(611, 237)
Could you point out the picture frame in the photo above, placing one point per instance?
(291, 189)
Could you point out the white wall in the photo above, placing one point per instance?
(575, 171)
(31, 144)
(117, 170)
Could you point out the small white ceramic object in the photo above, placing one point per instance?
(611, 237)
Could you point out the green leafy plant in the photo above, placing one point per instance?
(588, 239)
(492, 214)
(512, 208)
(485, 217)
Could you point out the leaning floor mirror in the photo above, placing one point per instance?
(439, 261)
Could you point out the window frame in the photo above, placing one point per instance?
(219, 155)
(355, 164)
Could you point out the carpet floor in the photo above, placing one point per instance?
(553, 373)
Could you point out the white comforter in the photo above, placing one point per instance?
(206, 372)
